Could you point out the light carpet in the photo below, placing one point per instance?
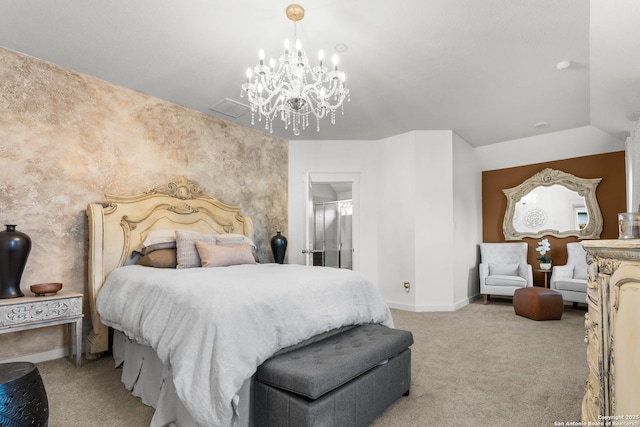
(481, 365)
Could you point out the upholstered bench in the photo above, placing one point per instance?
(538, 303)
(348, 379)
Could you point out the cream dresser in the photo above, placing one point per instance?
(612, 323)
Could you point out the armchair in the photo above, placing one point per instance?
(503, 269)
(571, 279)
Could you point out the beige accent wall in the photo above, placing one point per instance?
(66, 139)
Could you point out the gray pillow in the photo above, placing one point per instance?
(232, 239)
(187, 253)
(504, 269)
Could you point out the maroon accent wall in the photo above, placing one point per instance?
(611, 195)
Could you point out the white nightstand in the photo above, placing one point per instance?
(22, 313)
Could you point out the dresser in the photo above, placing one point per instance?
(19, 314)
(612, 326)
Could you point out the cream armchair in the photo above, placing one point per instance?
(503, 269)
(571, 279)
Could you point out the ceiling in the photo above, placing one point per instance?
(484, 69)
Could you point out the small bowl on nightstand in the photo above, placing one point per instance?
(46, 289)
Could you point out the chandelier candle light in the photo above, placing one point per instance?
(293, 89)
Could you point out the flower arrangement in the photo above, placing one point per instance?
(543, 247)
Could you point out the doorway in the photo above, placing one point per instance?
(332, 243)
(332, 220)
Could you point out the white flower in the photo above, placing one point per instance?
(543, 246)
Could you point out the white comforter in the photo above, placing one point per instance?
(215, 326)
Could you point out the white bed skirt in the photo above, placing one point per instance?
(144, 374)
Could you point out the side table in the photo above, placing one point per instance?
(546, 275)
(24, 399)
(23, 313)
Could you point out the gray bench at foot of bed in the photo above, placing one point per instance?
(347, 379)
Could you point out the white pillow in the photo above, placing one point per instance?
(158, 239)
(212, 255)
(159, 236)
(187, 253)
(503, 269)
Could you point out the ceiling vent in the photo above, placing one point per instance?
(230, 108)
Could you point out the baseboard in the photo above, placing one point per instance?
(473, 298)
(432, 308)
(58, 353)
(462, 303)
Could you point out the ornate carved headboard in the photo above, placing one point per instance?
(118, 228)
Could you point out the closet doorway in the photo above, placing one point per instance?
(332, 220)
(332, 245)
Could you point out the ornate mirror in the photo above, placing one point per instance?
(553, 203)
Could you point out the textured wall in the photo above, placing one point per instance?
(66, 139)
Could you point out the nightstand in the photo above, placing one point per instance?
(23, 313)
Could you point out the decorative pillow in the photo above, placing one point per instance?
(503, 269)
(187, 253)
(232, 239)
(212, 255)
(162, 258)
(157, 246)
(158, 239)
(579, 273)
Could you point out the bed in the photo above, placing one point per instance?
(190, 339)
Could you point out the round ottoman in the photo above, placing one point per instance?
(23, 400)
(538, 303)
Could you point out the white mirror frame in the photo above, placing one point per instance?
(546, 178)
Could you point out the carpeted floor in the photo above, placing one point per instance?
(478, 366)
(485, 366)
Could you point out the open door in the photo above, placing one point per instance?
(309, 219)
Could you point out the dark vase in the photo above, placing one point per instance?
(14, 251)
(278, 247)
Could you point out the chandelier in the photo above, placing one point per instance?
(292, 89)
